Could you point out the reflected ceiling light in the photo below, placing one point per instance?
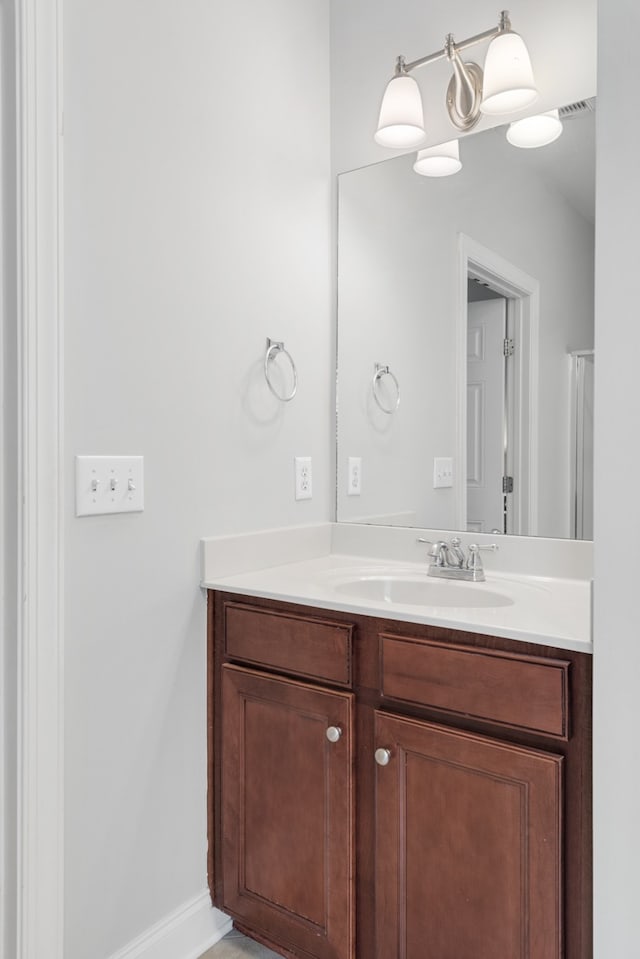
(442, 160)
(535, 131)
(508, 86)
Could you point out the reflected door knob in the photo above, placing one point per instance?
(382, 756)
(333, 734)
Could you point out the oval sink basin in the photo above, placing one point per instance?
(421, 591)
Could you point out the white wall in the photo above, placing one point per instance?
(617, 517)
(398, 292)
(196, 224)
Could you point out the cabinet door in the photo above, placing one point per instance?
(468, 846)
(287, 811)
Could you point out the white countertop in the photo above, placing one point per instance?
(551, 611)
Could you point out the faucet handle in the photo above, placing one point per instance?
(429, 542)
(437, 549)
(474, 561)
(438, 553)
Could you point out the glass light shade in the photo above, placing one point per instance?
(535, 131)
(401, 121)
(442, 160)
(508, 77)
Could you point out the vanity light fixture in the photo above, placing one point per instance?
(508, 78)
(506, 86)
(401, 121)
(535, 131)
(441, 160)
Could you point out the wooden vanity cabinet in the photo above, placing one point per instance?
(468, 846)
(287, 817)
(465, 757)
(281, 799)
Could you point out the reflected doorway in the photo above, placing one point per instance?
(514, 456)
(582, 392)
(489, 348)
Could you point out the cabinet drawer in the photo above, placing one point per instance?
(520, 691)
(302, 646)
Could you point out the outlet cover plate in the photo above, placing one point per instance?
(304, 487)
(109, 484)
(354, 474)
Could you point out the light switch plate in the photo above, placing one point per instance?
(442, 472)
(109, 484)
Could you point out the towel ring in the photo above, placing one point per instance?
(273, 348)
(379, 372)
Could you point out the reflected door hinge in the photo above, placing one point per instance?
(508, 348)
(507, 484)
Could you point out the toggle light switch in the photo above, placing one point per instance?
(109, 484)
(442, 472)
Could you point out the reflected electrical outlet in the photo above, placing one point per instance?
(354, 473)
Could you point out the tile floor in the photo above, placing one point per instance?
(236, 946)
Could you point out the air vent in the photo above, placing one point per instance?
(575, 109)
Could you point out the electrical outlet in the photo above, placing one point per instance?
(304, 487)
(354, 474)
(442, 472)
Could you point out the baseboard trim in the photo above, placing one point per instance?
(184, 934)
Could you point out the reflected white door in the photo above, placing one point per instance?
(486, 334)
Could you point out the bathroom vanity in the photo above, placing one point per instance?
(384, 787)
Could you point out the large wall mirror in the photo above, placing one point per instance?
(465, 338)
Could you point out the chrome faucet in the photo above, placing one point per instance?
(449, 560)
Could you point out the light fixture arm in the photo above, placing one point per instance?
(503, 26)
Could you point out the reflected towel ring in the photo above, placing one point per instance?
(273, 348)
(379, 372)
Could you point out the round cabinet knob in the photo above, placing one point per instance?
(333, 734)
(382, 756)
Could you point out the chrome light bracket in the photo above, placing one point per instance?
(463, 99)
(464, 92)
